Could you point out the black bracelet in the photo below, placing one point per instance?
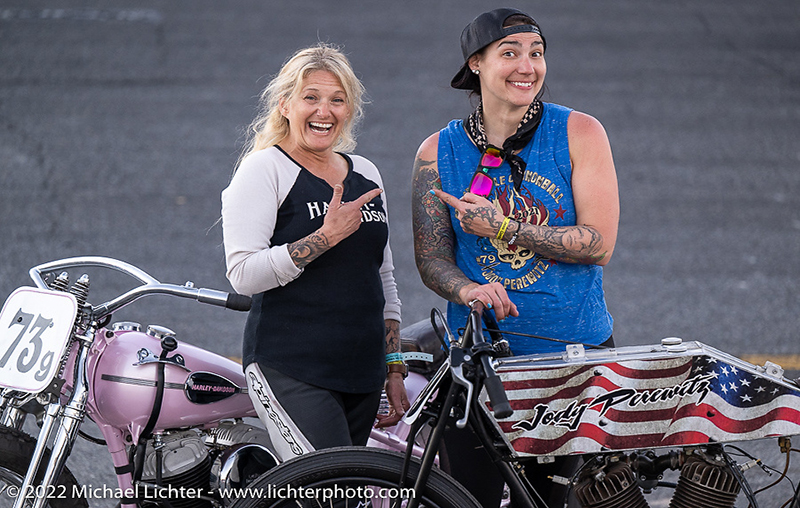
(514, 236)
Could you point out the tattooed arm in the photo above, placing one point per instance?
(395, 388)
(568, 244)
(594, 190)
(434, 240)
(433, 232)
(309, 248)
(392, 336)
(594, 187)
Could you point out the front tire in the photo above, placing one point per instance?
(16, 450)
(359, 477)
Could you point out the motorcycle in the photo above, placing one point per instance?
(171, 415)
(625, 415)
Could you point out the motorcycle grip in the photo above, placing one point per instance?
(239, 302)
(233, 301)
(497, 395)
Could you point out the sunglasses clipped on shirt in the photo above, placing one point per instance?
(481, 183)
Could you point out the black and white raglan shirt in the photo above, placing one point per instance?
(323, 324)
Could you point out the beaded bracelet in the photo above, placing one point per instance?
(503, 228)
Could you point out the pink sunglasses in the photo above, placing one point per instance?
(481, 183)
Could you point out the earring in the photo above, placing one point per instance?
(476, 71)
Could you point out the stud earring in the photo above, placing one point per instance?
(476, 71)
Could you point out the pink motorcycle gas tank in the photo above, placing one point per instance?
(210, 387)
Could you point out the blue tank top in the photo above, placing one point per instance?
(558, 300)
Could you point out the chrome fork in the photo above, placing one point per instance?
(65, 421)
(12, 417)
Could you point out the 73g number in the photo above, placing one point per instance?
(30, 355)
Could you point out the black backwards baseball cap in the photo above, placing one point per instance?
(482, 31)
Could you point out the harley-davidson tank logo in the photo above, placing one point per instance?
(571, 416)
(207, 387)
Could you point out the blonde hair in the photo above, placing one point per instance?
(270, 127)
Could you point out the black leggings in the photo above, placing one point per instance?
(326, 418)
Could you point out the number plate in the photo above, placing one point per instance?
(35, 327)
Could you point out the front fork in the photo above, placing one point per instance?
(12, 416)
(65, 421)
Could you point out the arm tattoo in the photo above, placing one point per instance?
(568, 244)
(433, 235)
(392, 336)
(306, 250)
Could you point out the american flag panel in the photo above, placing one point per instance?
(643, 403)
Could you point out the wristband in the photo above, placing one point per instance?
(397, 367)
(394, 358)
(503, 228)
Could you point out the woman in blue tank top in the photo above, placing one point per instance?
(517, 205)
(533, 247)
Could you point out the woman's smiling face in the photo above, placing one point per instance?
(512, 69)
(317, 112)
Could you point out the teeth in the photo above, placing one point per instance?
(321, 125)
(522, 83)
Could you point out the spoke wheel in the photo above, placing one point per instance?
(16, 450)
(350, 477)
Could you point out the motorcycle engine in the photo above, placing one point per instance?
(185, 462)
(705, 480)
(230, 455)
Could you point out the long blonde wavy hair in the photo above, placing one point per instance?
(270, 127)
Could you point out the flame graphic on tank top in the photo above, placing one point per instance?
(521, 207)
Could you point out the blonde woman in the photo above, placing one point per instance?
(305, 232)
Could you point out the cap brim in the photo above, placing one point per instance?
(464, 79)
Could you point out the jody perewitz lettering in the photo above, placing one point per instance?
(571, 416)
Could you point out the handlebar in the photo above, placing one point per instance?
(149, 285)
(494, 386)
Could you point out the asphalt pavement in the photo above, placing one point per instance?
(120, 123)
